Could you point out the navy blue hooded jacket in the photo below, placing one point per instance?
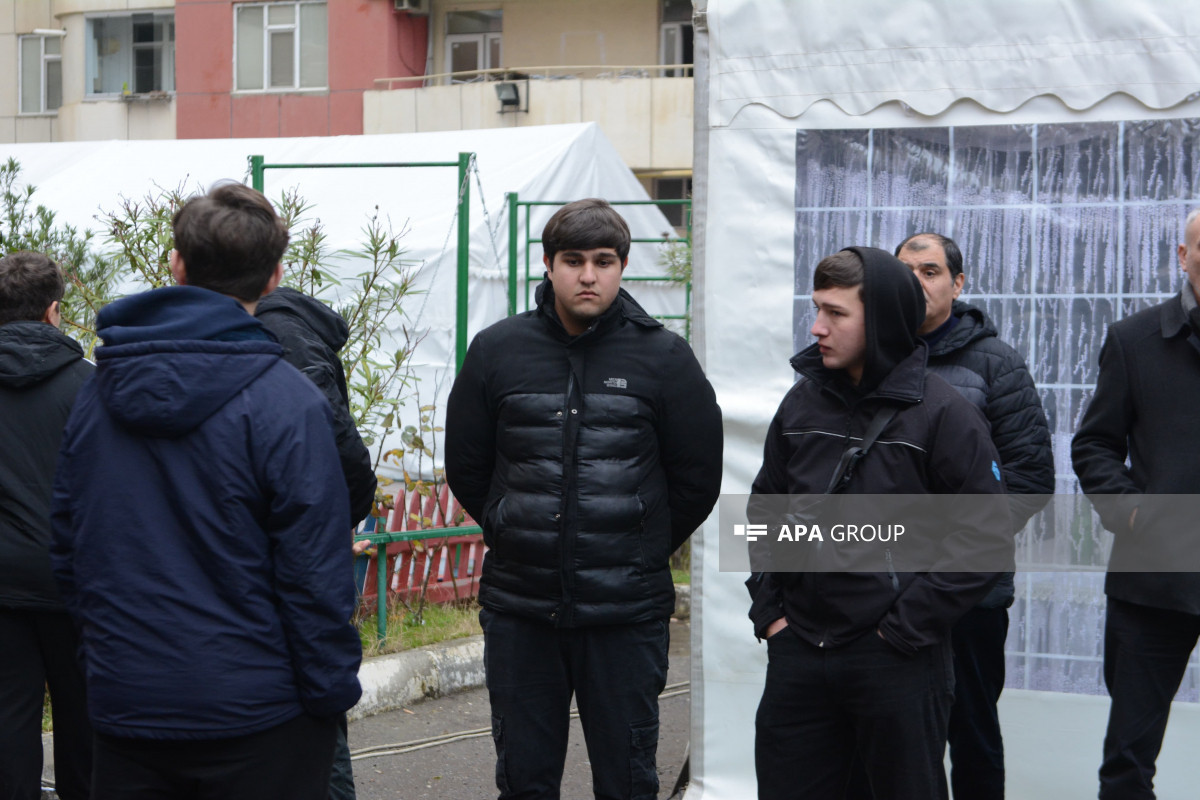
(199, 520)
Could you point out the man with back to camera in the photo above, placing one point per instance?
(859, 663)
(966, 352)
(41, 371)
(1144, 409)
(200, 532)
(585, 439)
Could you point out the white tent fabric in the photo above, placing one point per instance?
(929, 55)
(549, 163)
(776, 68)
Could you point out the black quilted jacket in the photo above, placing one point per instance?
(587, 460)
(993, 376)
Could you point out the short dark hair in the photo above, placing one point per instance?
(586, 225)
(954, 259)
(230, 240)
(842, 270)
(29, 284)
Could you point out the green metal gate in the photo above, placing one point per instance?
(516, 234)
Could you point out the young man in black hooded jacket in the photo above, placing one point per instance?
(41, 370)
(860, 663)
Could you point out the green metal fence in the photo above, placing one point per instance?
(381, 539)
(258, 166)
(516, 235)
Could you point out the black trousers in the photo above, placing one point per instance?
(1145, 655)
(288, 762)
(820, 708)
(39, 651)
(341, 779)
(616, 674)
(976, 746)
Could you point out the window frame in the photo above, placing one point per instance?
(679, 29)
(484, 41)
(43, 59)
(267, 29)
(91, 65)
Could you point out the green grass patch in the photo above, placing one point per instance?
(47, 716)
(681, 576)
(439, 623)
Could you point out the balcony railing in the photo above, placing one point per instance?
(571, 72)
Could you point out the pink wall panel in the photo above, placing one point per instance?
(304, 115)
(345, 113)
(367, 40)
(255, 115)
(202, 116)
(203, 46)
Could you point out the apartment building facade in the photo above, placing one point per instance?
(154, 69)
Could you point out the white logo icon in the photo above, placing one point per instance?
(751, 532)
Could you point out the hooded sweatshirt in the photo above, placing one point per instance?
(200, 527)
(312, 335)
(937, 443)
(40, 372)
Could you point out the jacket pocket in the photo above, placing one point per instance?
(494, 525)
(501, 754)
(641, 534)
(643, 773)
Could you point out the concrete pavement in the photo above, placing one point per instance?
(462, 769)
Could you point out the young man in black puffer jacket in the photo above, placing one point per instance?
(859, 663)
(41, 371)
(585, 439)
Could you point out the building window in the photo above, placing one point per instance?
(41, 74)
(674, 189)
(280, 47)
(131, 53)
(675, 37)
(472, 42)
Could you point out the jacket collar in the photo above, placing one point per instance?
(973, 324)
(905, 383)
(1174, 313)
(624, 307)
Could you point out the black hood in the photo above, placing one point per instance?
(895, 308)
(972, 326)
(323, 320)
(30, 352)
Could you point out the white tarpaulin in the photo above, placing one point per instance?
(551, 163)
(1055, 142)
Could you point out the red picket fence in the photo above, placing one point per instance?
(453, 563)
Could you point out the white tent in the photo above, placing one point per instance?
(549, 163)
(1054, 140)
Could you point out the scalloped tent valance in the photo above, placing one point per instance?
(860, 54)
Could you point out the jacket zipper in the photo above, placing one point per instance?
(570, 421)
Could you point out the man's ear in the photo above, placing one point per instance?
(53, 314)
(178, 269)
(959, 280)
(625, 263)
(546, 261)
(276, 277)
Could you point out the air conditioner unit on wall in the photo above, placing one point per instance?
(415, 7)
